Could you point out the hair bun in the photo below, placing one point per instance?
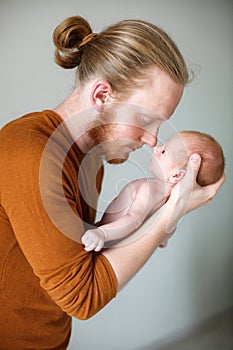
(67, 38)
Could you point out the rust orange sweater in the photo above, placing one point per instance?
(45, 277)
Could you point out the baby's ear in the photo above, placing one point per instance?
(176, 176)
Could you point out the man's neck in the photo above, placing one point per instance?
(77, 114)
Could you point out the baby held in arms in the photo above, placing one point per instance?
(141, 198)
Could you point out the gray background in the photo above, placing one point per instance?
(191, 280)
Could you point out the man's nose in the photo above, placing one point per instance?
(149, 139)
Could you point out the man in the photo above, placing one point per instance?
(46, 275)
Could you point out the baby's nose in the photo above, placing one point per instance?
(156, 149)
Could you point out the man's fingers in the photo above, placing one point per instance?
(220, 182)
(213, 189)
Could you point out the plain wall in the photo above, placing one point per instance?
(191, 279)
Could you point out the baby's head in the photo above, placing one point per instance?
(169, 162)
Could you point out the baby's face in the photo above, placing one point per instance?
(169, 157)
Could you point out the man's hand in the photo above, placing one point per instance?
(190, 192)
(188, 195)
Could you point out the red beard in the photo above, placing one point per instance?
(100, 134)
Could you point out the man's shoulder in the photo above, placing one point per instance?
(43, 121)
(23, 140)
(29, 130)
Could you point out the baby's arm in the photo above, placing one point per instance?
(124, 215)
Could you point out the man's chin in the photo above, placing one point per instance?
(116, 160)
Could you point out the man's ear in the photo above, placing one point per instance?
(101, 94)
(176, 176)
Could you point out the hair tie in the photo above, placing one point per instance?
(87, 39)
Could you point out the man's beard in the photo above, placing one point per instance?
(103, 135)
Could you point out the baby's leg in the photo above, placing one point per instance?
(163, 244)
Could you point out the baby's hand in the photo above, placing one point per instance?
(93, 240)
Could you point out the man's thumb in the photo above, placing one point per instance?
(195, 161)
